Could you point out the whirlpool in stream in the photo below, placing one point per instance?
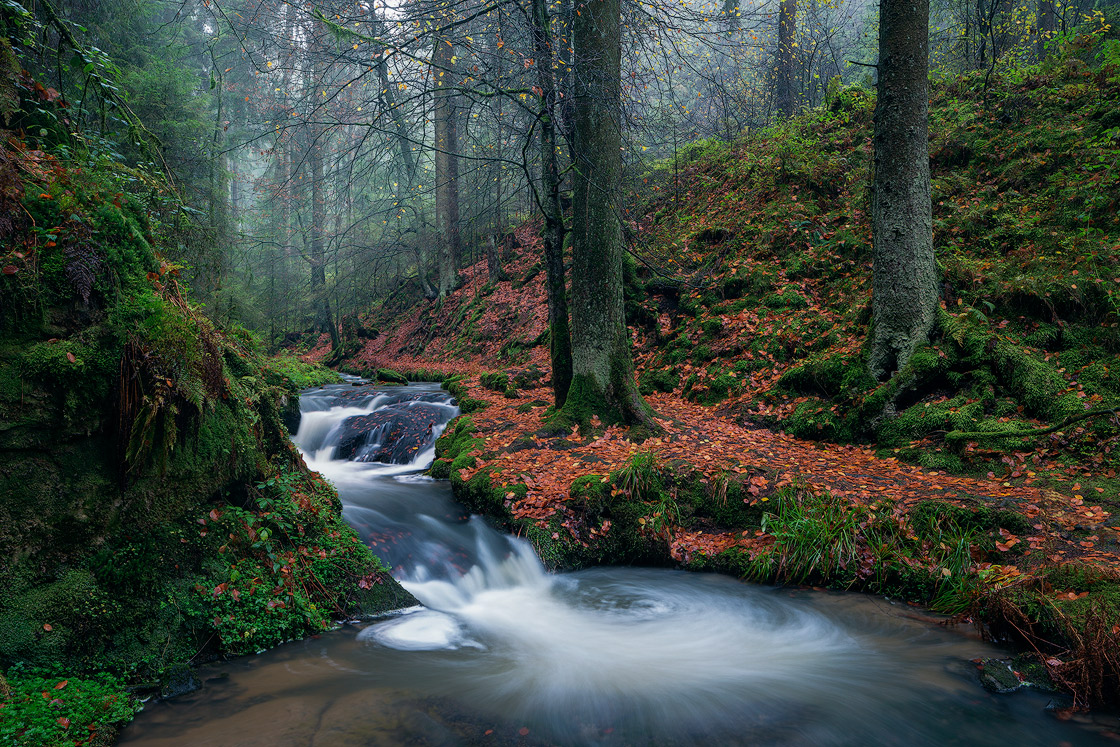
(503, 652)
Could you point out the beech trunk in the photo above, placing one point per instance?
(602, 369)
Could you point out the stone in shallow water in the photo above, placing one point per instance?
(178, 680)
(998, 677)
(393, 434)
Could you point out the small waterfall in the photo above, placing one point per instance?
(560, 641)
(355, 434)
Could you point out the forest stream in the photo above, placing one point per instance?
(503, 652)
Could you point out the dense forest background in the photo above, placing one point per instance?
(305, 160)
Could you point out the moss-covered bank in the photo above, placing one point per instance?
(153, 510)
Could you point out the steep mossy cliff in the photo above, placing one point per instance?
(152, 508)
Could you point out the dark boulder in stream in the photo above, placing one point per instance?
(393, 434)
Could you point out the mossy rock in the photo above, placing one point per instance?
(389, 376)
(134, 435)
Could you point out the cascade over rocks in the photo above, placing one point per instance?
(393, 434)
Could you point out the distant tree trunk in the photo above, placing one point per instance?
(407, 163)
(319, 299)
(785, 98)
(447, 166)
(905, 289)
(560, 343)
(602, 370)
(1046, 26)
(493, 261)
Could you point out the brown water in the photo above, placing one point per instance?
(505, 653)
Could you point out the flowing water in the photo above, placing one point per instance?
(502, 652)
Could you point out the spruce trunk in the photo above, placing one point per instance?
(785, 99)
(560, 343)
(447, 167)
(905, 290)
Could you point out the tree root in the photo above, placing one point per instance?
(981, 435)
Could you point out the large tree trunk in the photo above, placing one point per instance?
(905, 290)
(785, 97)
(560, 343)
(447, 166)
(602, 370)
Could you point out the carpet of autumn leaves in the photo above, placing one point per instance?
(768, 461)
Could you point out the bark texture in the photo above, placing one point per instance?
(560, 344)
(785, 99)
(602, 370)
(905, 291)
(447, 166)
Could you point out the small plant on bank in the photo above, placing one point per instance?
(37, 710)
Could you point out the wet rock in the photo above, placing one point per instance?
(290, 413)
(178, 680)
(391, 434)
(997, 677)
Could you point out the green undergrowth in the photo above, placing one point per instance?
(300, 373)
(37, 709)
(768, 242)
(154, 510)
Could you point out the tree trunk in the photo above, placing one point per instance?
(785, 99)
(905, 291)
(320, 301)
(602, 370)
(1046, 26)
(560, 344)
(447, 166)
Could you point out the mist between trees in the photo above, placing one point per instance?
(309, 159)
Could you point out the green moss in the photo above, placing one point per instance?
(137, 435)
(465, 402)
(389, 376)
(933, 519)
(498, 382)
(789, 298)
(658, 379)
